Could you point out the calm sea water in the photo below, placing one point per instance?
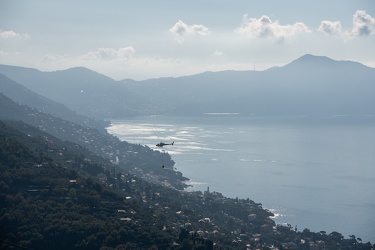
(312, 172)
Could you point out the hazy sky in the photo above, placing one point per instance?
(146, 39)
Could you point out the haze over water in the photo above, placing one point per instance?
(312, 172)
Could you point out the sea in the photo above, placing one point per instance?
(315, 172)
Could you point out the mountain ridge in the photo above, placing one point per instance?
(308, 85)
(80, 89)
(13, 69)
(23, 95)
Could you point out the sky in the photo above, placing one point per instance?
(142, 39)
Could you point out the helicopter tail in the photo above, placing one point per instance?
(172, 143)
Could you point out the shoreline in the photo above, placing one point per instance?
(193, 167)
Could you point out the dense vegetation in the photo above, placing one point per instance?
(47, 206)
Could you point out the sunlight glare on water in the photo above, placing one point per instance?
(316, 173)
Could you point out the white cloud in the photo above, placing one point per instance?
(217, 53)
(54, 58)
(9, 34)
(363, 24)
(331, 28)
(103, 58)
(180, 29)
(109, 53)
(265, 27)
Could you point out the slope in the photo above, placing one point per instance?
(50, 184)
(80, 89)
(24, 96)
(137, 159)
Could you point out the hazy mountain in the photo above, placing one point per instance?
(308, 85)
(24, 96)
(85, 91)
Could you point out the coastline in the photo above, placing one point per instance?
(201, 160)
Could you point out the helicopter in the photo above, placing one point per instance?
(161, 144)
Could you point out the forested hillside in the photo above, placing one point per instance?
(137, 159)
(51, 200)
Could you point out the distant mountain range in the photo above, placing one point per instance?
(310, 85)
